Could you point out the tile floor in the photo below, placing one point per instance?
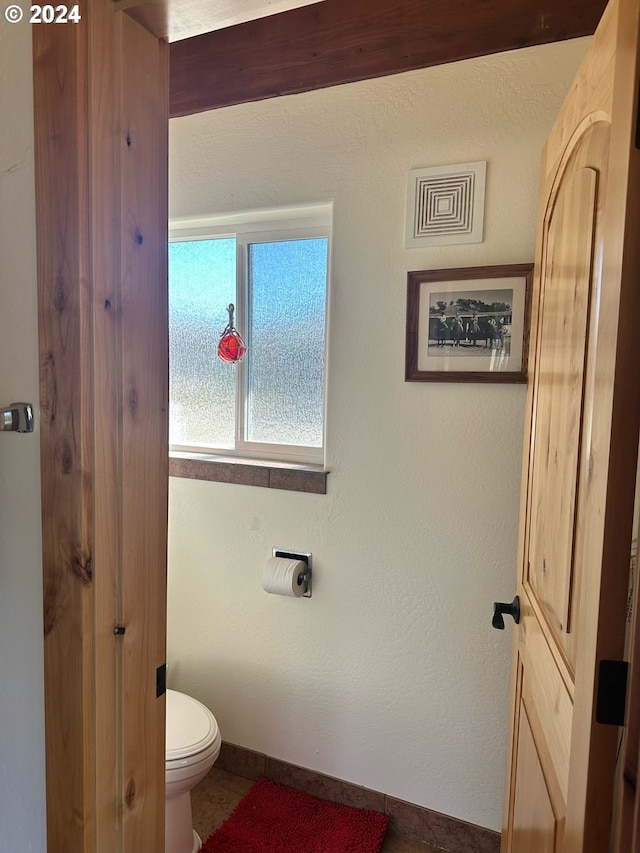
(219, 793)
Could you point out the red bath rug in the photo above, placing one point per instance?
(276, 819)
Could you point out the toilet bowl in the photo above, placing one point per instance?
(193, 745)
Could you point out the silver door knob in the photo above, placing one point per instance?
(18, 417)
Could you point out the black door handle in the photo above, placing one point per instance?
(499, 607)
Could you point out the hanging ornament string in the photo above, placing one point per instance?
(231, 347)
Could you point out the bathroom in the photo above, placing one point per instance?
(389, 676)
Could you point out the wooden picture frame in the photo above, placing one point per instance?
(468, 324)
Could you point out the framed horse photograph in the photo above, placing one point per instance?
(469, 324)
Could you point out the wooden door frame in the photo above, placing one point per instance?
(101, 129)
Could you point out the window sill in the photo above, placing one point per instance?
(249, 472)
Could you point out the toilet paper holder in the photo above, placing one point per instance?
(304, 578)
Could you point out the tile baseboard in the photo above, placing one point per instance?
(416, 822)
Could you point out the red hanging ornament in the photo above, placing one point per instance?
(231, 347)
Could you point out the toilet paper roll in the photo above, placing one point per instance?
(281, 574)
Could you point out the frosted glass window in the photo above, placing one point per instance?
(274, 269)
(287, 287)
(202, 282)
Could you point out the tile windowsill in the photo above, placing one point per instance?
(249, 472)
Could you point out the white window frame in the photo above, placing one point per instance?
(303, 222)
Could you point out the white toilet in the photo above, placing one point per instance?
(193, 745)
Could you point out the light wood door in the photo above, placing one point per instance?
(580, 452)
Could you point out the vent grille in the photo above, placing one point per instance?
(445, 205)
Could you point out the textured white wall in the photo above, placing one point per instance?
(390, 676)
(22, 798)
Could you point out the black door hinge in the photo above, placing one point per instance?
(612, 692)
(161, 680)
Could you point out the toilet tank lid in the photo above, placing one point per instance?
(191, 727)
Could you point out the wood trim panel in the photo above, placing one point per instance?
(67, 447)
(224, 469)
(628, 830)
(101, 168)
(144, 375)
(103, 165)
(341, 41)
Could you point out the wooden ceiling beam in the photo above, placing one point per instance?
(341, 41)
(181, 19)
